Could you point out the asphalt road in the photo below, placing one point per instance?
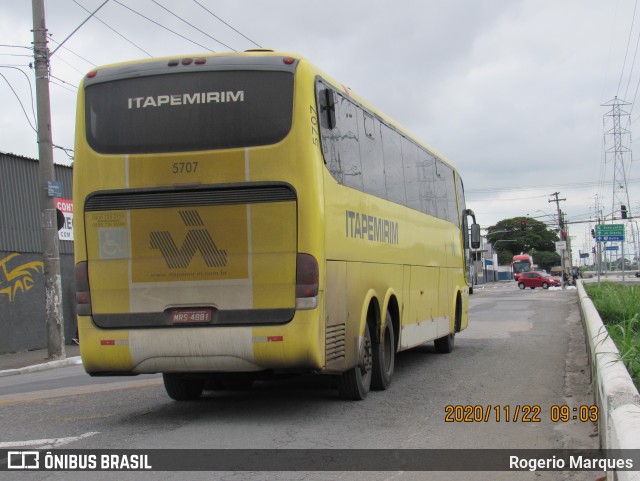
(523, 350)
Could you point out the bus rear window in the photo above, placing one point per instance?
(189, 111)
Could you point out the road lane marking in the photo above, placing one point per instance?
(46, 443)
(37, 396)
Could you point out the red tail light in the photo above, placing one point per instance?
(307, 275)
(83, 296)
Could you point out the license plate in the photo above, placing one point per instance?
(190, 316)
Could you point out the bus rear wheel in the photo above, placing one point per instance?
(445, 345)
(384, 357)
(180, 387)
(355, 383)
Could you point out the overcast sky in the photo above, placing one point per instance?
(511, 91)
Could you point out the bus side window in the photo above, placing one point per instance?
(371, 155)
(327, 109)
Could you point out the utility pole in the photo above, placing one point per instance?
(562, 234)
(46, 174)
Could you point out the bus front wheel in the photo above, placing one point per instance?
(384, 357)
(182, 388)
(355, 383)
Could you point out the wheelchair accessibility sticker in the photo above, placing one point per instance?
(113, 243)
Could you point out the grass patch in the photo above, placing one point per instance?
(619, 308)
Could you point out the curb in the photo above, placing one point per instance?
(614, 391)
(70, 361)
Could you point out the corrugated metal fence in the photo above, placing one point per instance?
(22, 292)
(19, 204)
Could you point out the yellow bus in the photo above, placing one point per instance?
(242, 216)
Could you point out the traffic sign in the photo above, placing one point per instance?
(610, 229)
(609, 238)
(610, 232)
(611, 248)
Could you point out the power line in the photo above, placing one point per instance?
(633, 63)
(69, 65)
(33, 110)
(489, 190)
(624, 63)
(113, 30)
(15, 46)
(162, 26)
(71, 51)
(65, 150)
(20, 102)
(78, 28)
(14, 55)
(66, 86)
(232, 28)
(193, 26)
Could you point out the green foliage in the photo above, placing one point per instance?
(546, 260)
(509, 238)
(619, 308)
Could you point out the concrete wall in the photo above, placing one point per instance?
(22, 316)
(614, 391)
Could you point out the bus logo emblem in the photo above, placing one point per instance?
(197, 239)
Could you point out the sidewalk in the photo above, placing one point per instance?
(36, 360)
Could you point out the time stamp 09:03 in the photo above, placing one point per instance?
(519, 413)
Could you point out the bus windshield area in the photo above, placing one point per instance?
(191, 111)
(521, 266)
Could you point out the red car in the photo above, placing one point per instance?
(536, 279)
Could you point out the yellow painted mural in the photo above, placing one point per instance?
(20, 278)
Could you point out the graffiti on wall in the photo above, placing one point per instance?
(19, 278)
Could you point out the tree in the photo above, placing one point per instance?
(524, 235)
(546, 260)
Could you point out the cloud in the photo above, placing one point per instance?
(510, 91)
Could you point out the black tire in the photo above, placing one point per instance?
(181, 387)
(384, 357)
(545, 285)
(521, 285)
(355, 383)
(445, 345)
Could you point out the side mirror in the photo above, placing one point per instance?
(475, 236)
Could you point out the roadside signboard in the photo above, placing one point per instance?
(66, 207)
(611, 248)
(610, 232)
(561, 246)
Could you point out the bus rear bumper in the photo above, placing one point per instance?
(194, 349)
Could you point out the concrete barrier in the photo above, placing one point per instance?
(614, 391)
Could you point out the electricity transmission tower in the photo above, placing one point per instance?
(620, 154)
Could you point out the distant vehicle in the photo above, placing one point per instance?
(521, 263)
(536, 279)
